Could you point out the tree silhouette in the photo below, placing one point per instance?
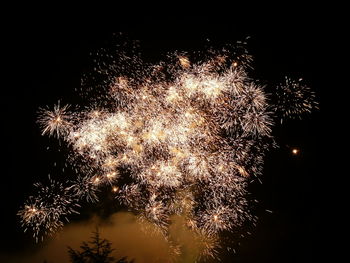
(97, 250)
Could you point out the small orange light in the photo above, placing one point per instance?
(295, 151)
(97, 180)
(184, 61)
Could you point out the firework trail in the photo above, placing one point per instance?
(183, 137)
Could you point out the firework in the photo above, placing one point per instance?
(55, 122)
(295, 99)
(46, 212)
(181, 137)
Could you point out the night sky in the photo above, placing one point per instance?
(45, 59)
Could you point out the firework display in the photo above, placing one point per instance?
(183, 137)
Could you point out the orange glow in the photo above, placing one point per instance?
(184, 61)
(295, 151)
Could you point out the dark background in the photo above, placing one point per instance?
(44, 57)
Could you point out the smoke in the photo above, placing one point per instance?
(128, 237)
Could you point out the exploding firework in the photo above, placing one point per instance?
(295, 99)
(55, 122)
(47, 211)
(178, 138)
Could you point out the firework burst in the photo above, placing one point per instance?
(55, 122)
(294, 99)
(181, 137)
(46, 212)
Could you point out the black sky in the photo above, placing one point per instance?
(45, 57)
